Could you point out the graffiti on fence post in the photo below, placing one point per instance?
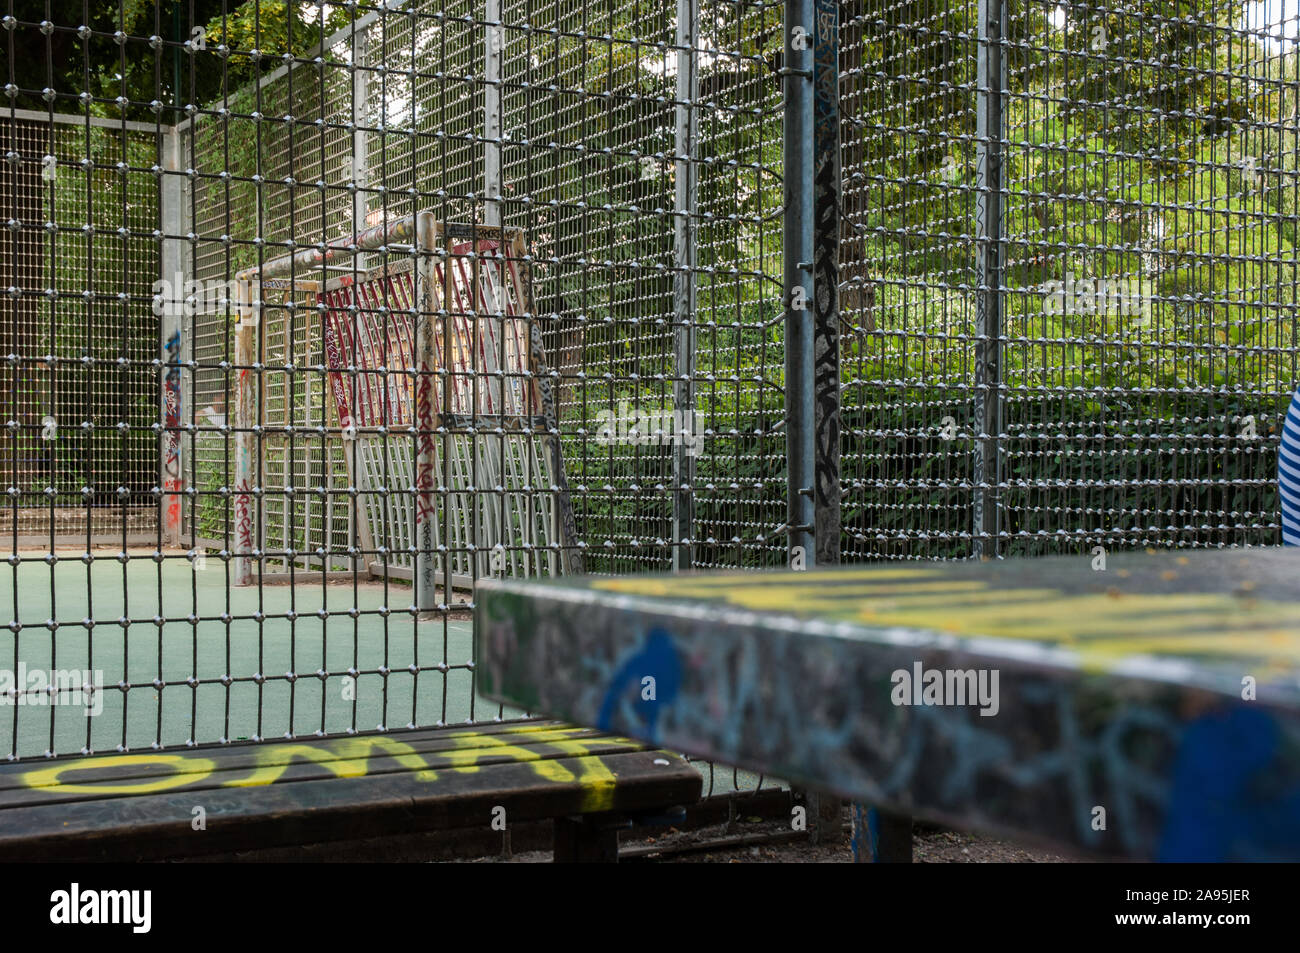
(826, 305)
(427, 417)
(826, 324)
(245, 421)
(172, 480)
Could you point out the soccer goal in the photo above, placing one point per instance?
(442, 403)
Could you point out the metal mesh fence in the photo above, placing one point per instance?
(586, 112)
(77, 328)
(634, 150)
(1144, 278)
(1067, 283)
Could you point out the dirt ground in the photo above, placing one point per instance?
(775, 844)
(928, 847)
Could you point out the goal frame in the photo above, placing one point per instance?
(420, 243)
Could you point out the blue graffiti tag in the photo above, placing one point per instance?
(657, 659)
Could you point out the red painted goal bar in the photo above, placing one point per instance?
(443, 397)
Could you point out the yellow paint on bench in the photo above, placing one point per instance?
(188, 770)
(353, 758)
(1102, 627)
(345, 758)
(714, 586)
(593, 775)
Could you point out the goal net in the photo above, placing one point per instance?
(444, 405)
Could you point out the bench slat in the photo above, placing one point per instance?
(64, 780)
(158, 826)
(140, 805)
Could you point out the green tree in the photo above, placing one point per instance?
(133, 53)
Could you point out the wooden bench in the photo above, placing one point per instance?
(217, 799)
(1142, 705)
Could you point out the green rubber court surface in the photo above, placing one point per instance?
(176, 672)
(203, 662)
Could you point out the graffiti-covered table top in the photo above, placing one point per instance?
(1143, 705)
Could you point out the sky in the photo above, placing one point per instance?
(1277, 19)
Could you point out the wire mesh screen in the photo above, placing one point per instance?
(271, 271)
(594, 317)
(1144, 276)
(907, 276)
(77, 328)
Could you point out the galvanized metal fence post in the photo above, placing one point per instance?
(426, 416)
(173, 259)
(245, 418)
(825, 810)
(684, 284)
(991, 84)
(797, 254)
(493, 41)
(360, 147)
(826, 283)
(359, 534)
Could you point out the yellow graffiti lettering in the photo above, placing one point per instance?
(594, 776)
(838, 600)
(717, 585)
(1102, 628)
(352, 758)
(186, 769)
(1050, 616)
(345, 758)
(597, 780)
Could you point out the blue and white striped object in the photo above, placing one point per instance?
(1288, 474)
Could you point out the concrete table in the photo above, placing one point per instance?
(1142, 705)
